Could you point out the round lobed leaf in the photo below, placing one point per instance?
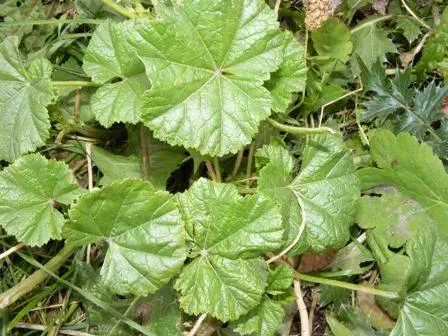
(142, 228)
(207, 62)
(29, 191)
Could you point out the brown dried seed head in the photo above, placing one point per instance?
(317, 12)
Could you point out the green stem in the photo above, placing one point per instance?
(15, 293)
(75, 83)
(346, 285)
(76, 36)
(118, 9)
(51, 22)
(145, 153)
(300, 130)
(371, 22)
(217, 169)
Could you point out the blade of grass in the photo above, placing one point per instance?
(51, 22)
(30, 305)
(100, 303)
(15, 293)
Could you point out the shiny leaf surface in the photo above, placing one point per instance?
(290, 77)
(207, 62)
(110, 56)
(143, 231)
(326, 165)
(25, 92)
(228, 233)
(30, 190)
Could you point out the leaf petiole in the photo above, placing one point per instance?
(300, 130)
(75, 83)
(371, 22)
(346, 285)
(117, 8)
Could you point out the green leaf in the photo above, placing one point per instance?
(142, 228)
(352, 6)
(333, 40)
(370, 43)
(274, 153)
(221, 287)
(326, 165)
(110, 56)
(262, 321)
(347, 261)
(165, 316)
(115, 167)
(66, 104)
(413, 169)
(275, 166)
(228, 233)
(279, 280)
(101, 321)
(163, 160)
(391, 217)
(348, 318)
(426, 111)
(393, 101)
(290, 77)
(425, 306)
(207, 62)
(335, 295)
(435, 51)
(391, 95)
(29, 191)
(409, 26)
(92, 9)
(25, 92)
(337, 328)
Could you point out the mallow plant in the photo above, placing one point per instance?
(213, 79)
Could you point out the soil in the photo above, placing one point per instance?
(319, 323)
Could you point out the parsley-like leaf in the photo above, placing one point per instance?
(370, 43)
(391, 219)
(425, 305)
(333, 40)
(417, 113)
(435, 52)
(413, 169)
